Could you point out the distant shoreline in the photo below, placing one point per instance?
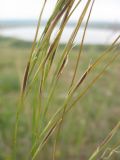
(28, 23)
(29, 43)
(93, 35)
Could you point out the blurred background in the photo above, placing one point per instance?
(96, 114)
(19, 18)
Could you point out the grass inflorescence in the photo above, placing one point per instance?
(46, 68)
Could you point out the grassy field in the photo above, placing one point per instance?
(84, 127)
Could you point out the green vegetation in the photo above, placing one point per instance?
(83, 129)
(37, 110)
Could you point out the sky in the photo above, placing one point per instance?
(104, 10)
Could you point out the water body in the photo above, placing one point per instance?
(93, 35)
